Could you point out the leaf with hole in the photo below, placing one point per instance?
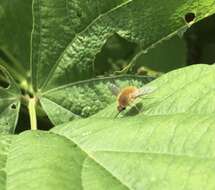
(9, 104)
(67, 35)
(71, 58)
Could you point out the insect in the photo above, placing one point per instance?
(127, 95)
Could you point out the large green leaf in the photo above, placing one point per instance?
(136, 20)
(147, 152)
(160, 149)
(9, 105)
(15, 33)
(39, 166)
(165, 57)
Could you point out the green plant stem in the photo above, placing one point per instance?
(32, 113)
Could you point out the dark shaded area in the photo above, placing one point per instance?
(135, 109)
(23, 124)
(23, 120)
(16, 27)
(166, 56)
(5, 57)
(200, 42)
(114, 56)
(4, 82)
(44, 123)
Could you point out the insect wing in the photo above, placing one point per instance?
(115, 90)
(144, 91)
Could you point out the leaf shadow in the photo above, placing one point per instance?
(135, 109)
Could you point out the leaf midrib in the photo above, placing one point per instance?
(97, 80)
(188, 156)
(153, 44)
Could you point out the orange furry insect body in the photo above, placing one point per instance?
(126, 96)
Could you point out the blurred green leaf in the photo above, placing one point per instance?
(167, 56)
(15, 33)
(201, 41)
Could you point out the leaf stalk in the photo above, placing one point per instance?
(32, 113)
